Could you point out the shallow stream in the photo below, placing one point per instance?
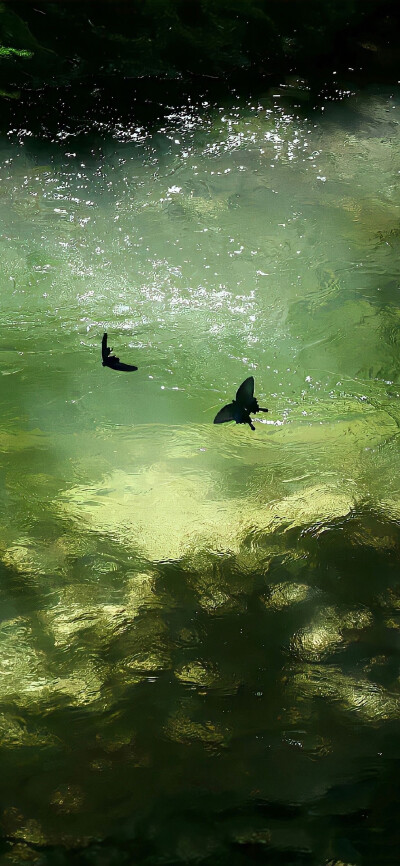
(199, 637)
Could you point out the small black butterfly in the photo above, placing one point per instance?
(240, 408)
(109, 360)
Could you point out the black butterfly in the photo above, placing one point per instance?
(109, 360)
(239, 410)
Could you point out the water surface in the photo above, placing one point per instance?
(199, 624)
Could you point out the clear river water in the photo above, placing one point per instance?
(199, 635)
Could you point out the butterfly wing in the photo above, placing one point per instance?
(225, 414)
(104, 352)
(119, 365)
(245, 393)
(112, 361)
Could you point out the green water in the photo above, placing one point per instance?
(199, 636)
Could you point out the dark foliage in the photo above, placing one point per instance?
(56, 43)
(76, 65)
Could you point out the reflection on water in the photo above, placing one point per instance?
(199, 631)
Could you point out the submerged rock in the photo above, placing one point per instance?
(371, 702)
(327, 632)
(283, 595)
(183, 729)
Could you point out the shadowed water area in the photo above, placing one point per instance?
(199, 637)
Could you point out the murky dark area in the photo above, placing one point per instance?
(199, 636)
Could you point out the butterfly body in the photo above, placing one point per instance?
(110, 360)
(239, 409)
